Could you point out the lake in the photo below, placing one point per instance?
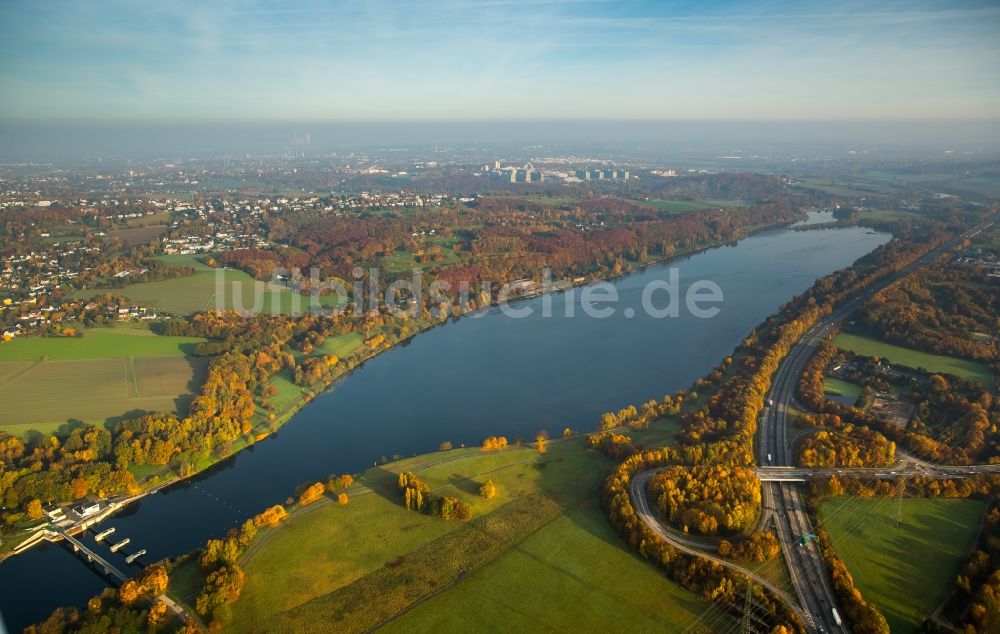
(461, 382)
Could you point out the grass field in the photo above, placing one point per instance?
(104, 374)
(184, 295)
(98, 343)
(841, 388)
(546, 199)
(907, 572)
(845, 187)
(681, 206)
(341, 345)
(288, 392)
(888, 215)
(403, 260)
(575, 556)
(860, 344)
(61, 238)
(543, 535)
(158, 218)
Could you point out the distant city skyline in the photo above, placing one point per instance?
(460, 60)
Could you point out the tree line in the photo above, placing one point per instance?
(721, 432)
(937, 310)
(417, 496)
(708, 499)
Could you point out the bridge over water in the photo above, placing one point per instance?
(80, 547)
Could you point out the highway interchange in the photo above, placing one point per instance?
(781, 499)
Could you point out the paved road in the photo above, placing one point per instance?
(101, 561)
(177, 608)
(649, 518)
(812, 584)
(781, 499)
(903, 469)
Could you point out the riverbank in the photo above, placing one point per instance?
(547, 506)
(268, 423)
(488, 375)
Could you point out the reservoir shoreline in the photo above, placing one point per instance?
(482, 376)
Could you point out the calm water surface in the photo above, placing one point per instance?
(461, 382)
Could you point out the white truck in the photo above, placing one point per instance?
(836, 617)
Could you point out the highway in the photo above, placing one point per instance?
(812, 584)
(648, 517)
(781, 499)
(902, 469)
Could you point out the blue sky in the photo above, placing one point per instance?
(499, 59)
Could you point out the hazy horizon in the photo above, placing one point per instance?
(188, 79)
(61, 140)
(500, 60)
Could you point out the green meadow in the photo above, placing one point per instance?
(98, 343)
(841, 388)
(869, 347)
(906, 571)
(682, 206)
(201, 291)
(542, 536)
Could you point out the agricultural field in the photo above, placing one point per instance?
(159, 218)
(867, 346)
(107, 373)
(847, 187)
(138, 235)
(888, 215)
(907, 571)
(958, 181)
(52, 394)
(126, 340)
(542, 535)
(184, 295)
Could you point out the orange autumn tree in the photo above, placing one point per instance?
(312, 493)
(494, 442)
(270, 517)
